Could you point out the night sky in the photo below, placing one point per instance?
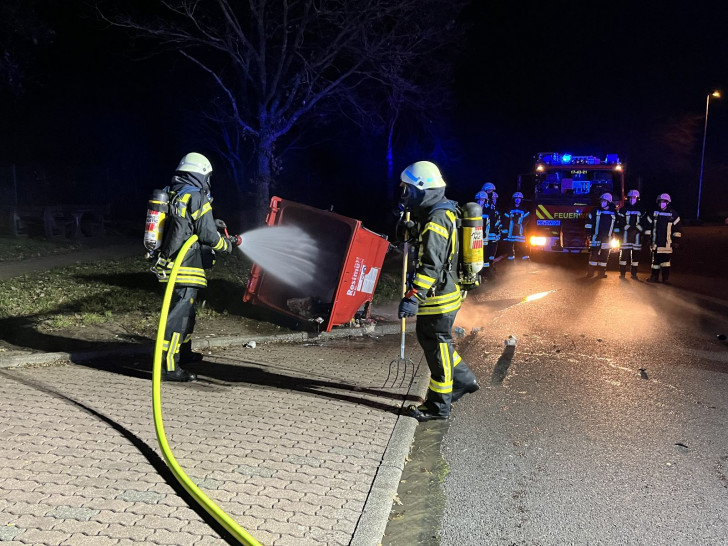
(581, 77)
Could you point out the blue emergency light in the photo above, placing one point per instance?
(552, 158)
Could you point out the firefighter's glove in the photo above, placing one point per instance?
(408, 308)
(409, 304)
(405, 231)
(220, 225)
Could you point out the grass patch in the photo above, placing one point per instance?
(22, 248)
(125, 296)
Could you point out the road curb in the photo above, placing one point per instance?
(199, 344)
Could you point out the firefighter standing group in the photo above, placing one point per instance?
(628, 226)
(606, 228)
(511, 229)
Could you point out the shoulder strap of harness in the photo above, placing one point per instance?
(453, 207)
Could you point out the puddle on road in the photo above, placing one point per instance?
(417, 520)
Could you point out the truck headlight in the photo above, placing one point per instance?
(538, 241)
(614, 243)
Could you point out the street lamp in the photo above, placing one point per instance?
(715, 94)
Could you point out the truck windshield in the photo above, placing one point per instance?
(570, 184)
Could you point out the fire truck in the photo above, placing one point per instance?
(564, 188)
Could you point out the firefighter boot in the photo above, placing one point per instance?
(459, 392)
(187, 355)
(464, 381)
(665, 275)
(622, 271)
(633, 273)
(178, 375)
(590, 272)
(654, 276)
(602, 272)
(423, 413)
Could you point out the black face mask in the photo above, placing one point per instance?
(411, 197)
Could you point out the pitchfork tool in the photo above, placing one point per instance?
(402, 362)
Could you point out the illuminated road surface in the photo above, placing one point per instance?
(608, 425)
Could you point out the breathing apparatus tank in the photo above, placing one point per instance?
(157, 210)
(470, 259)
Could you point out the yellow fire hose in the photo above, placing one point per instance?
(203, 500)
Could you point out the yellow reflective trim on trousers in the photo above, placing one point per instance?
(447, 363)
(457, 359)
(441, 388)
(445, 386)
(173, 350)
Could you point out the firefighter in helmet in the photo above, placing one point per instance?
(664, 228)
(630, 219)
(190, 213)
(601, 225)
(514, 227)
(433, 293)
(487, 198)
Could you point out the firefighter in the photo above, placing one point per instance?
(664, 228)
(190, 213)
(630, 219)
(601, 224)
(516, 220)
(487, 198)
(434, 295)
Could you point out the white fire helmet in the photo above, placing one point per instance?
(195, 163)
(423, 175)
(518, 195)
(633, 193)
(488, 187)
(606, 196)
(664, 197)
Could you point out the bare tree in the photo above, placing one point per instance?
(21, 31)
(276, 62)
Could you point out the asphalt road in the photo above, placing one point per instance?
(607, 425)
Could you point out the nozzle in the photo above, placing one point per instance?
(236, 240)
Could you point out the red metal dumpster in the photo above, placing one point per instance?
(354, 257)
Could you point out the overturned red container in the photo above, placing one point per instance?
(350, 272)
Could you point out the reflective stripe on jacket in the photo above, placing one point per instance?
(663, 226)
(600, 225)
(190, 214)
(434, 279)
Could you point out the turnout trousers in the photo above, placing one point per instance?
(179, 327)
(660, 262)
(599, 255)
(447, 369)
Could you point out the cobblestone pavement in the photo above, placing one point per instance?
(299, 443)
